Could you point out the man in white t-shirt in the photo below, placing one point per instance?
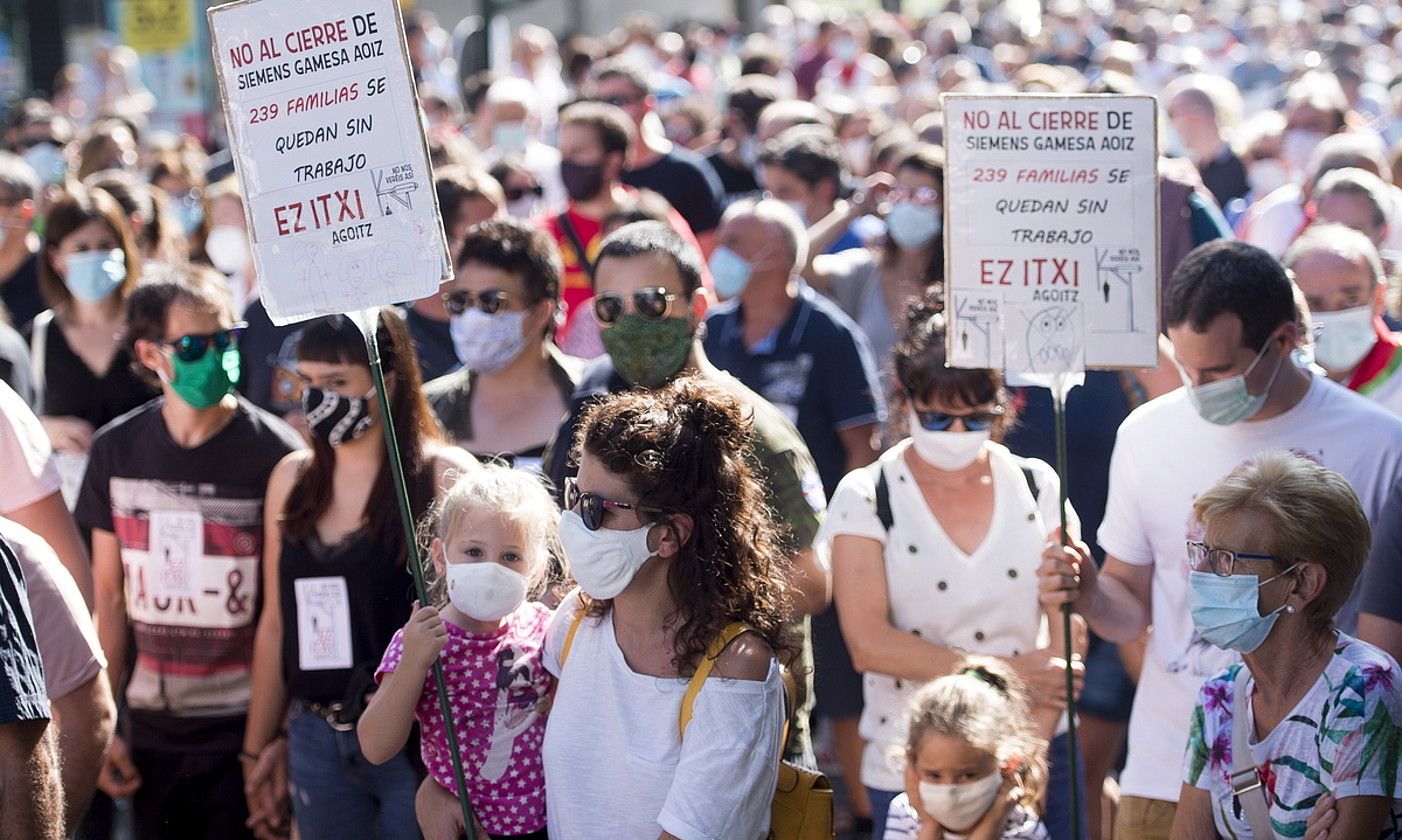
(1230, 314)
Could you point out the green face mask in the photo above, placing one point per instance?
(648, 353)
(206, 380)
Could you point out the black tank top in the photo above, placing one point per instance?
(354, 596)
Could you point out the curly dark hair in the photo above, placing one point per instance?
(687, 448)
(919, 359)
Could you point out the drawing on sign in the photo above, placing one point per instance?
(393, 185)
(1051, 340)
(1119, 264)
(981, 315)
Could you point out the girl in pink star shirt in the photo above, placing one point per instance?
(494, 535)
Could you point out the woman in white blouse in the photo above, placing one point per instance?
(668, 535)
(934, 551)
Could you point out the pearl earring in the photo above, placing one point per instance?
(1289, 609)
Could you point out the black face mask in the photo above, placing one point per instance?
(582, 181)
(334, 418)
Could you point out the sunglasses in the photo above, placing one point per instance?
(650, 303)
(489, 301)
(518, 193)
(591, 506)
(191, 348)
(621, 100)
(976, 421)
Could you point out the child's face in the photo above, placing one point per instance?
(488, 537)
(947, 760)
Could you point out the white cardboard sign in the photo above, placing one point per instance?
(1051, 232)
(329, 147)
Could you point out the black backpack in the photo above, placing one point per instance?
(883, 493)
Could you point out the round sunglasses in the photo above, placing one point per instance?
(489, 301)
(651, 303)
(191, 348)
(591, 506)
(975, 421)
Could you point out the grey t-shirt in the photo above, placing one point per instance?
(1381, 584)
(855, 286)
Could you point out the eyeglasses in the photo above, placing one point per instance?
(976, 421)
(919, 195)
(592, 506)
(518, 193)
(651, 303)
(622, 99)
(489, 301)
(191, 348)
(1219, 561)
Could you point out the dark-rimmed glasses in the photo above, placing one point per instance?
(489, 301)
(191, 348)
(651, 303)
(592, 506)
(974, 421)
(1219, 561)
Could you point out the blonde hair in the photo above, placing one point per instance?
(1314, 516)
(985, 703)
(514, 495)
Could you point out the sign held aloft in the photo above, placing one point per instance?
(329, 147)
(1051, 232)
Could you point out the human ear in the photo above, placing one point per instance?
(436, 555)
(1309, 583)
(676, 532)
(151, 357)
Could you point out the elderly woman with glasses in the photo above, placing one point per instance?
(680, 578)
(934, 554)
(1310, 714)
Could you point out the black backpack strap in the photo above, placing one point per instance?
(564, 221)
(883, 500)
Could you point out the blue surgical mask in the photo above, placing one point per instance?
(912, 225)
(1225, 612)
(1346, 337)
(1226, 401)
(93, 275)
(510, 136)
(730, 271)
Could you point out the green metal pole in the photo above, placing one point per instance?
(1072, 748)
(406, 515)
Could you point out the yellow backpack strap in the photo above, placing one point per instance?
(569, 637)
(703, 670)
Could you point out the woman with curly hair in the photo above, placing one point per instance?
(668, 535)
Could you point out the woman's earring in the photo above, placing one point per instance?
(1289, 609)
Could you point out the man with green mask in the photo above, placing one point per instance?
(650, 306)
(173, 494)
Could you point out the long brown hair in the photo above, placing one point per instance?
(337, 340)
(687, 448)
(77, 206)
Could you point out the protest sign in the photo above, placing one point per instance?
(1051, 232)
(329, 147)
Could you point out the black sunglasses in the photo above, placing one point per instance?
(976, 421)
(622, 99)
(518, 193)
(489, 301)
(191, 348)
(592, 506)
(650, 303)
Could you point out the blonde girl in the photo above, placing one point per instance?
(495, 532)
(975, 767)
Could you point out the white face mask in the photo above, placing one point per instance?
(1346, 337)
(603, 561)
(1265, 176)
(946, 450)
(487, 343)
(227, 247)
(510, 136)
(959, 807)
(1297, 147)
(485, 591)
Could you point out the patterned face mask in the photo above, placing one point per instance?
(335, 418)
(646, 352)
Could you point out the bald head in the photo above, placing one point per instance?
(1336, 267)
(770, 228)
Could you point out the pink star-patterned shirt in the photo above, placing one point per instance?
(499, 693)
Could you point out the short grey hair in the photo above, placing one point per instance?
(779, 215)
(18, 180)
(1361, 182)
(1340, 240)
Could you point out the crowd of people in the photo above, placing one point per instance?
(697, 498)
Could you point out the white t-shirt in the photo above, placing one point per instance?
(26, 458)
(614, 766)
(985, 602)
(1165, 455)
(902, 823)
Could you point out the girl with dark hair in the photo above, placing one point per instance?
(83, 374)
(667, 532)
(872, 286)
(338, 586)
(935, 549)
